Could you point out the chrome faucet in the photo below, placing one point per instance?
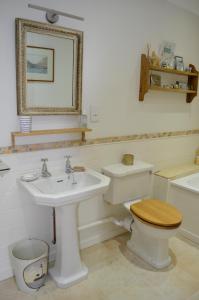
(44, 170)
(68, 168)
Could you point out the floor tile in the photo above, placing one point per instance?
(115, 273)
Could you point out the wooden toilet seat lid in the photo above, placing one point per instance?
(157, 212)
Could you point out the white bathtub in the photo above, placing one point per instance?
(184, 194)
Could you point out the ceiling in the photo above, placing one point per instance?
(190, 5)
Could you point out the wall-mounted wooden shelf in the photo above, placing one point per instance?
(173, 71)
(145, 80)
(14, 135)
(158, 88)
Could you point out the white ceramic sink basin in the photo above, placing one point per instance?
(65, 192)
(62, 189)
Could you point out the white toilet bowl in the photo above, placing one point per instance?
(151, 244)
(149, 240)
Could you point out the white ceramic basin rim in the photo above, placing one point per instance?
(65, 184)
(61, 189)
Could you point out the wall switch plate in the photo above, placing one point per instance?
(94, 113)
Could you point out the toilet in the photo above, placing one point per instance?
(153, 221)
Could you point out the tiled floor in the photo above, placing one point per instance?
(117, 274)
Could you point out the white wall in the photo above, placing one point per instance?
(190, 5)
(115, 34)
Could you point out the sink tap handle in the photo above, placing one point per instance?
(68, 168)
(44, 170)
(68, 156)
(44, 159)
(68, 159)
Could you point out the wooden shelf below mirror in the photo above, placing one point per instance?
(192, 80)
(14, 135)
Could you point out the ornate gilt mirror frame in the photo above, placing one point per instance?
(22, 28)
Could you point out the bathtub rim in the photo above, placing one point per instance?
(183, 183)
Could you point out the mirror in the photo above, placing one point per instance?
(49, 69)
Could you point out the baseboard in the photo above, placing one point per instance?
(6, 273)
(189, 235)
(94, 233)
(100, 237)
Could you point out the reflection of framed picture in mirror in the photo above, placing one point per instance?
(40, 64)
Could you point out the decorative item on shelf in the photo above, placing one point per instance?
(128, 159)
(177, 85)
(183, 85)
(197, 160)
(165, 86)
(166, 52)
(188, 69)
(154, 59)
(79, 169)
(155, 80)
(197, 157)
(168, 65)
(83, 121)
(164, 65)
(148, 46)
(179, 64)
(171, 64)
(25, 123)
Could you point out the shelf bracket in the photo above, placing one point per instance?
(144, 77)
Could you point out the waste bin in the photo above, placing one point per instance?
(30, 264)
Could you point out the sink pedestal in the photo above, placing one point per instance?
(68, 268)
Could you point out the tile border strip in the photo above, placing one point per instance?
(95, 141)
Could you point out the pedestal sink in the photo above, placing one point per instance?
(65, 192)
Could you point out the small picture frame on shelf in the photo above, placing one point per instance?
(155, 80)
(179, 64)
(166, 53)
